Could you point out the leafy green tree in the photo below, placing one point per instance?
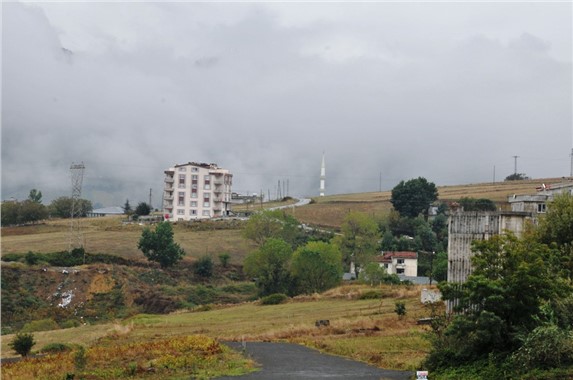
(272, 224)
(142, 209)
(159, 245)
(373, 274)
(35, 196)
(317, 266)
(269, 265)
(512, 282)
(358, 241)
(62, 207)
(516, 177)
(556, 227)
(22, 343)
(31, 211)
(203, 267)
(481, 204)
(413, 197)
(10, 213)
(440, 266)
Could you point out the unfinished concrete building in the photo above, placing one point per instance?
(465, 227)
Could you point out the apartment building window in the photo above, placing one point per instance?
(399, 270)
(182, 168)
(181, 181)
(194, 170)
(400, 261)
(193, 193)
(194, 178)
(206, 213)
(206, 200)
(193, 212)
(207, 182)
(193, 203)
(541, 208)
(180, 212)
(181, 199)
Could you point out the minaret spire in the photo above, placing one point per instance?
(322, 176)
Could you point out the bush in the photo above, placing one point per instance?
(400, 309)
(54, 348)
(22, 343)
(274, 299)
(224, 259)
(40, 325)
(370, 295)
(203, 267)
(547, 346)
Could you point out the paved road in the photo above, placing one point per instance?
(287, 361)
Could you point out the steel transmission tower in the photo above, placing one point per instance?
(77, 174)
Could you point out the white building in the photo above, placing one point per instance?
(402, 263)
(196, 191)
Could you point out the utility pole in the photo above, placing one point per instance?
(571, 171)
(75, 237)
(515, 165)
(380, 182)
(494, 174)
(150, 208)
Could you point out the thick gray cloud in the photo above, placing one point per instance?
(447, 91)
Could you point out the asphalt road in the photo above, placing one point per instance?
(287, 361)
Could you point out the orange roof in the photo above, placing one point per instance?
(387, 256)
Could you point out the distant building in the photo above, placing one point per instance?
(537, 203)
(402, 263)
(196, 191)
(105, 211)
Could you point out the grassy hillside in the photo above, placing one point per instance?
(329, 211)
(364, 329)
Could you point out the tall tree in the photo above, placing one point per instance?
(127, 208)
(358, 241)
(31, 211)
(62, 207)
(142, 209)
(35, 196)
(317, 266)
(272, 224)
(270, 266)
(159, 245)
(413, 197)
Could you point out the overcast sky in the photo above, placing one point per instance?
(444, 90)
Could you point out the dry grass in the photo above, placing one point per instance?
(109, 235)
(329, 211)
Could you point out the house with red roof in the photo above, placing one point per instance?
(404, 263)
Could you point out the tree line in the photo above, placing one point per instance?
(32, 210)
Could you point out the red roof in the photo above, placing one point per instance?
(387, 256)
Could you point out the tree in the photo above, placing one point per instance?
(413, 197)
(159, 245)
(62, 207)
(203, 267)
(516, 177)
(31, 211)
(10, 213)
(481, 204)
(556, 227)
(269, 265)
(142, 209)
(127, 208)
(272, 224)
(359, 239)
(35, 196)
(22, 343)
(317, 266)
(513, 283)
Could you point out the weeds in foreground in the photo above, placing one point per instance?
(198, 356)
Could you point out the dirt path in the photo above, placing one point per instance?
(287, 361)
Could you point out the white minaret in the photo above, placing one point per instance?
(322, 176)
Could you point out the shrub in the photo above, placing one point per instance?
(546, 346)
(400, 309)
(274, 299)
(370, 295)
(31, 258)
(224, 259)
(22, 343)
(40, 325)
(54, 348)
(203, 267)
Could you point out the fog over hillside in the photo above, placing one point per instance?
(388, 91)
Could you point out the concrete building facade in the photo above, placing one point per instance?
(196, 191)
(465, 227)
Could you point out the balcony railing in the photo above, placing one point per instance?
(169, 179)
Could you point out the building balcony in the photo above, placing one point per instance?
(168, 197)
(169, 180)
(168, 207)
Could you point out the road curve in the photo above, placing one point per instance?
(286, 361)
